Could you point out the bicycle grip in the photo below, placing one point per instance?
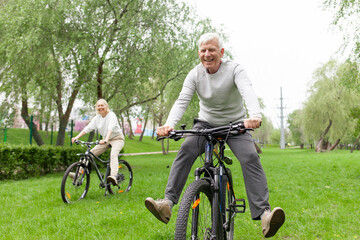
(158, 138)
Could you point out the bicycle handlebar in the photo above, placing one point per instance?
(232, 128)
(78, 142)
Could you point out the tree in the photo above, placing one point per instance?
(326, 112)
(7, 114)
(350, 79)
(21, 62)
(355, 114)
(263, 133)
(347, 18)
(123, 51)
(275, 136)
(296, 127)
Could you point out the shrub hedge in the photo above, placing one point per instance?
(20, 162)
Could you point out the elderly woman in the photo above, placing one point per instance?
(108, 126)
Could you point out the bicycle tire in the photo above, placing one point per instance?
(227, 212)
(74, 189)
(124, 179)
(195, 215)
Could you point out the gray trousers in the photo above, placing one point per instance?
(243, 148)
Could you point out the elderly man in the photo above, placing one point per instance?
(223, 88)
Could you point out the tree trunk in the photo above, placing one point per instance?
(47, 126)
(165, 151)
(258, 149)
(153, 129)
(99, 80)
(131, 134)
(319, 145)
(143, 131)
(63, 116)
(62, 131)
(355, 144)
(27, 119)
(335, 144)
(122, 123)
(168, 145)
(41, 116)
(327, 145)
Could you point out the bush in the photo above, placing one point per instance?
(19, 162)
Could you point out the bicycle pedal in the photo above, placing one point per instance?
(241, 205)
(120, 178)
(228, 160)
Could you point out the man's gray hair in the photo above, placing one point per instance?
(210, 36)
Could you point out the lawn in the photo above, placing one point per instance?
(318, 192)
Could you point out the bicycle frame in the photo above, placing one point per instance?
(223, 201)
(215, 178)
(90, 158)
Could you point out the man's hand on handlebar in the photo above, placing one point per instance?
(164, 130)
(252, 123)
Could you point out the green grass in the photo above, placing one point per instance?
(318, 192)
(16, 136)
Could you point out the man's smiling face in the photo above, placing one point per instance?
(210, 55)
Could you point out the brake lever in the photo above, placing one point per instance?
(177, 138)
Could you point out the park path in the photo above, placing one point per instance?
(144, 153)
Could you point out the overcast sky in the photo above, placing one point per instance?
(280, 43)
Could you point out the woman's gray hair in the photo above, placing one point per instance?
(210, 36)
(103, 101)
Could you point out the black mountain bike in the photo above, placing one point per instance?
(209, 205)
(76, 180)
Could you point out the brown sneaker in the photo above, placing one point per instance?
(272, 221)
(111, 179)
(160, 209)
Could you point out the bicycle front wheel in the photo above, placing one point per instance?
(75, 183)
(196, 214)
(124, 179)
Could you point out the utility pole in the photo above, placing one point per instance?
(282, 136)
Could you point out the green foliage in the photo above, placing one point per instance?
(329, 101)
(355, 114)
(6, 114)
(275, 136)
(350, 75)
(123, 51)
(296, 127)
(346, 17)
(263, 134)
(19, 162)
